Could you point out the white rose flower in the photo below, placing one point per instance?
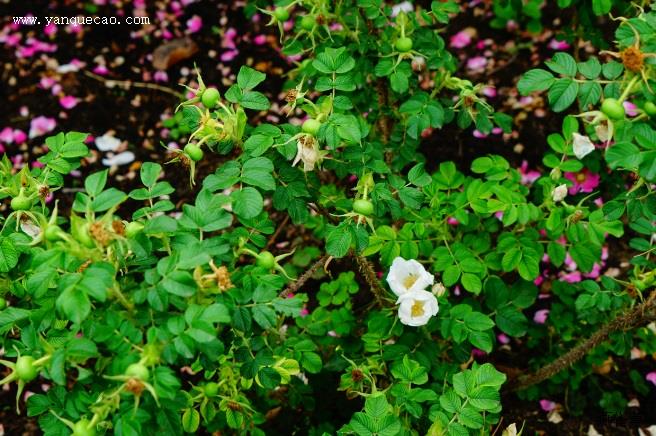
(408, 276)
(582, 146)
(559, 193)
(416, 308)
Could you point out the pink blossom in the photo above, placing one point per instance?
(595, 272)
(528, 176)
(497, 130)
(229, 55)
(478, 134)
(503, 338)
(630, 109)
(583, 181)
(651, 377)
(12, 40)
(304, 312)
(452, 221)
(194, 24)
(37, 164)
(554, 44)
(41, 125)
(68, 101)
(538, 281)
(540, 316)
(476, 63)
(547, 405)
(461, 39)
(2, 148)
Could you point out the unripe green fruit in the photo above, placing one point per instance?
(281, 14)
(211, 389)
(210, 97)
(613, 109)
(54, 233)
(311, 126)
(265, 260)
(403, 44)
(650, 109)
(308, 22)
(133, 229)
(363, 207)
(25, 369)
(83, 428)
(194, 152)
(138, 371)
(3, 303)
(20, 202)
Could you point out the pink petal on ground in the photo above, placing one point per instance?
(229, 55)
(503, 338)
(19, 136)
(50, 29)
(160, 76)
(547, 405)
(260, 40)
(554, 44)
(477, 63)
(540, 316)
(68, 101)
(630, 109)
(461, 39)
(7, 135)
(100, 70)
(194, 24)
(41, 125)
(651, 377)
(47, 82)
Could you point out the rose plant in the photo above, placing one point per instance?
(176, 319)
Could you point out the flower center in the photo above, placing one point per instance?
(580, 177)
(409, 281)
(417, 309)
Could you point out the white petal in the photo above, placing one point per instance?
(409, 299)
(582, 146)
(559, 193)
(405, 6)
(119, 159)
(107, 143)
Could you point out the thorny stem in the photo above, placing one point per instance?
(367, 271)
(295, 286)
(640, 315)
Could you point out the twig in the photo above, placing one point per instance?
(641, 314)
(273, 237)
(367, 271)
(127, 84)
(296, 285)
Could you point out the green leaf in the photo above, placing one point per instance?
(95, 183)
(478, 321)
(74, 304)
(563, 63)
(248, 78)
(591, 68)
(562, 94)
(623, 155)
(471, 282)
(535, 80)
(149, 173)
(257, 172)
(338, 241)
(376, 406)
(254, 100)
(247, 203)
(8, 255)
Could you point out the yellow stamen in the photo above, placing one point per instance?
(417, 309)
(409, 281)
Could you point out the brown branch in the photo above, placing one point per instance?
(640, 315)
(296, 285)
(127, 84)
(367, 271)
(273, 237)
